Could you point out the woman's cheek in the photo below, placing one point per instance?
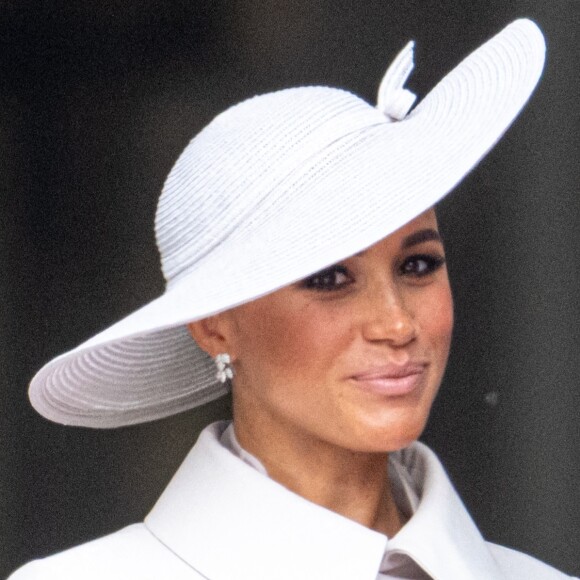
(437, 315)
(313, 338)
(285, 336)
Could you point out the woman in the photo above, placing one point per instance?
(304, 267)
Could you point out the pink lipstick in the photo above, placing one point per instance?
(390, 380)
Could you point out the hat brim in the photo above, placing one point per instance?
(147, 366)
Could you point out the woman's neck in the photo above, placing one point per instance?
(353, 484)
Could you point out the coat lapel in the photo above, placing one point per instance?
(441, 536)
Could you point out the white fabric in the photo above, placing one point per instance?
(399, 566)
(273, 190)
(222, 519)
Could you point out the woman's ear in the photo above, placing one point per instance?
(211, 334)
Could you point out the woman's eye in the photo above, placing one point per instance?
(333, 278)
(422, 265)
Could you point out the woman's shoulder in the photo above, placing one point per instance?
(130, 553)
(517, 565)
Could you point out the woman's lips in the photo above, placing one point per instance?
(391, 380)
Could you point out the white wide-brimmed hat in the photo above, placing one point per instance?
(273, 190)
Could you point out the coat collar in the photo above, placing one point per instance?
(216, 502)
(441, 536)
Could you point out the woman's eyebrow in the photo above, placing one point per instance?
(426, 235)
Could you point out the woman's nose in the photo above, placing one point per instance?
(388, 318)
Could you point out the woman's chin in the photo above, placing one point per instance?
(388, 437)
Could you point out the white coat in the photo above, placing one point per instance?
(221, 519)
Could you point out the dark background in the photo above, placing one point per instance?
(97, 99)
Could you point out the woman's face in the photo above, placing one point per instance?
(352, 356)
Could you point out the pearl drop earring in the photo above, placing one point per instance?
(225, 370)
